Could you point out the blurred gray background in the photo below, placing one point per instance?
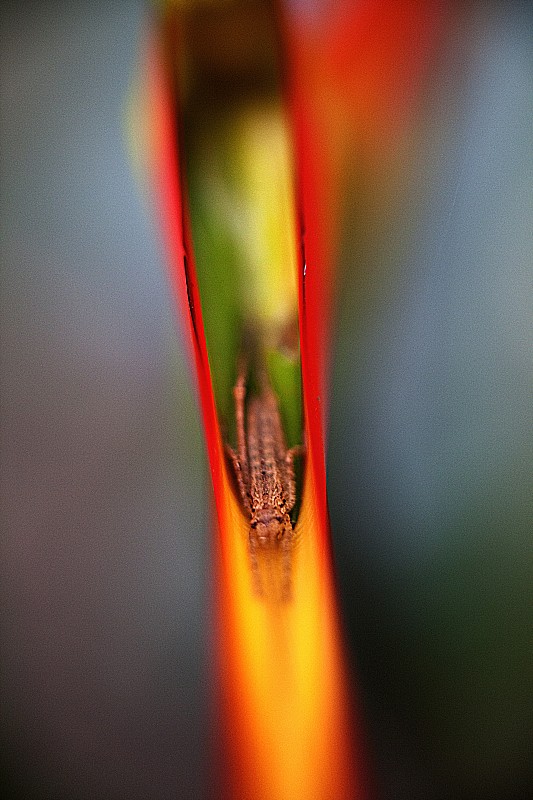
(431, 447)
(104, 552)
(104, 542)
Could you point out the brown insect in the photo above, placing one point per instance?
(264, 468)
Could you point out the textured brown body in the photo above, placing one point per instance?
(265, 474)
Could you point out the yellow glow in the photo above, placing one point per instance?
(286, 698)
(266, 210)
(245, 172)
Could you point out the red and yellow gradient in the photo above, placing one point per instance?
(286, 710)
(287, 724)
(286, 713)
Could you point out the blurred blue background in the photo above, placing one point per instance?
(105, 569)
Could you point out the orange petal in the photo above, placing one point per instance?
(288, 727)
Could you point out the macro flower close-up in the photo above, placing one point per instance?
(266, 400)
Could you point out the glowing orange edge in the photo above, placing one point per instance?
(286, 711)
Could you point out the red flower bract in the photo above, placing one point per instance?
(286, 711)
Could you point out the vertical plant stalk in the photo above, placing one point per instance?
(285, 708)
(287, 727)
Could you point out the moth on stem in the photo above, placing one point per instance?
(264, 469)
